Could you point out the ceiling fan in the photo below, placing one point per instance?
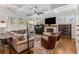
(38, 12)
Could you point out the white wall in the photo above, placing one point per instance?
(67, 17)
(77, 32)
(7, 13)
(64, 15)
(15, 25)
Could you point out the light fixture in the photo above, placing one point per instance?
(37, 12)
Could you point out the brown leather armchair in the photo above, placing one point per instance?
(49, 42)
(58, 33)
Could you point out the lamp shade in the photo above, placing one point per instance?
(31, 22)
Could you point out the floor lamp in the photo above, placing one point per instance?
(27, 23)
(27, 33)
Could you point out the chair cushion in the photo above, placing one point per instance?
(19, 36)
(12, 33)
(25, 36)
(45, 37)
(46, 33)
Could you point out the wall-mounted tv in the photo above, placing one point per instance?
(51, 20)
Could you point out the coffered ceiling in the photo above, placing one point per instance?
(28, 9)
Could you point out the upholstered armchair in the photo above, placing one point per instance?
(20, 44)
(49, 41)
(58, 33)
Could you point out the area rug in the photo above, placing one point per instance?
(38, 49)
(64, 46)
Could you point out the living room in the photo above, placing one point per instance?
(29, 29)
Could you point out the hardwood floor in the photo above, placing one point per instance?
(64, 46)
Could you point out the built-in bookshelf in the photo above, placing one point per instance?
(65, 30)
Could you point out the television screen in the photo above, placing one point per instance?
(51, 20)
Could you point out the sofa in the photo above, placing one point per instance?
(19, 41)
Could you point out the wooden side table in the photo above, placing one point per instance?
(4, 37)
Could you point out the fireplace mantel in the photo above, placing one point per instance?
(53, 27)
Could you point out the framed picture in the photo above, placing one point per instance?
(71, 18)
(61, 19)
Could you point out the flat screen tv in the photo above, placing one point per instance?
(51, 20)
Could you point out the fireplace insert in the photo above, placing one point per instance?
(49, 30)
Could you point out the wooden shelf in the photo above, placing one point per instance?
(65, 30)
